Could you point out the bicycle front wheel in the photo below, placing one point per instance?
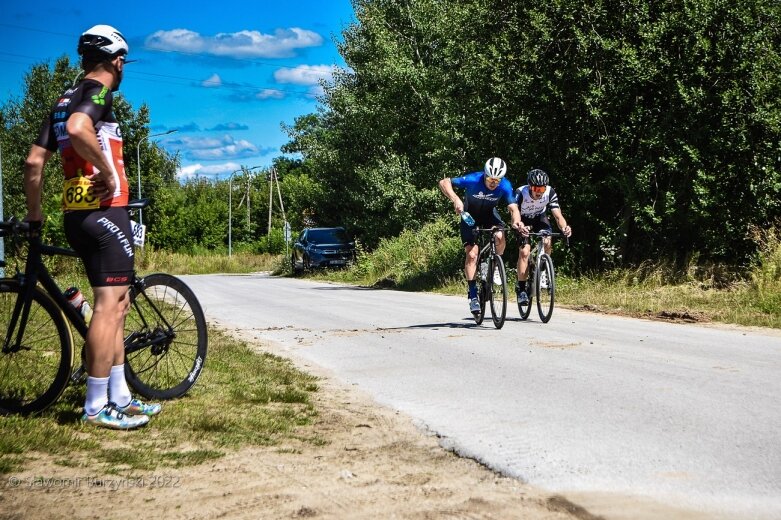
(165, 338)
(497, 281)
(35, 368)
(545, 288)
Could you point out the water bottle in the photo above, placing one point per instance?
(75, 298)
(466, 217)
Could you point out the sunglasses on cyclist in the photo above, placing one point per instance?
(537, 189)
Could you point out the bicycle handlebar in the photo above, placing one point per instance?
(493, 229)
(544, 233)
(14, 226)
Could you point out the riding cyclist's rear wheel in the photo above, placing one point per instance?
(165, 338)
(497, 281)
(526, 308)
(35, 370)
(546, 288)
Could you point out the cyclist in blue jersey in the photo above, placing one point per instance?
(484, 190)
(535, 199)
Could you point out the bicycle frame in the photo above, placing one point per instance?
(491, 241)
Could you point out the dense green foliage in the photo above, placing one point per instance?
(658, 121)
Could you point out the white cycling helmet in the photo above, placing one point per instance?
(495, 168)
(102, 42)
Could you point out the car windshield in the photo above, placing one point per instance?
(327, 236)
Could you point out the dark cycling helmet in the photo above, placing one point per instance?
(495, 168)
(101, 43)
(537, 177)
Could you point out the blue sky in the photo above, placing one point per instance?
(223, 74)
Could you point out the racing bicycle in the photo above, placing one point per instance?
(491, 278)
(165, 331)
(542, 277)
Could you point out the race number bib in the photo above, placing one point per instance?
(139, 233)
(78, 194)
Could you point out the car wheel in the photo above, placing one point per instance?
(305, 263)
(293, 267)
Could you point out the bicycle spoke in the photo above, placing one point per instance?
(169, 343)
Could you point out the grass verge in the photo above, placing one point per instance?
(243, 398)
(431, 259)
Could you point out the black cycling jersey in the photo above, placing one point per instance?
(95, 100)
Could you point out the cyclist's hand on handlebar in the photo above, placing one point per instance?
(520, 228)
(35, 221)
(567, 231)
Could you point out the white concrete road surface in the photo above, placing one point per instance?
(591, 406)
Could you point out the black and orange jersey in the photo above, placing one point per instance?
(94, 99)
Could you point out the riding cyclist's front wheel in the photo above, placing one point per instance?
(545, 288)
(497, 281)
(34, 368)
(165, 337)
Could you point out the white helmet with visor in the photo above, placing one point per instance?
(495, 168)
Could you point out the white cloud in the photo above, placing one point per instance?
(215, 148)
(305, 74)
(215, 170)
(270, 93)
(242, 44)
(214, 81)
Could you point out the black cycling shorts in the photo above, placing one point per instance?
(104, 241)
(538, 223)
(468, 237)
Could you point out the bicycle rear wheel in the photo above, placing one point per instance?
(545, 285)
(34, 371)
(497, 291)
(482, 290)
(165, 338)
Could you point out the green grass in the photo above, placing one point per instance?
(243, 398)
(431, 259)
(151, 261)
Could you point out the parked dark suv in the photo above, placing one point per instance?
(322, 247)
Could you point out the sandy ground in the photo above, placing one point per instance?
(375, 464)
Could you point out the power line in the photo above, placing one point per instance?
(191, 82)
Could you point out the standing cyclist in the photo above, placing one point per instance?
(535, 199)
(484, 190)
(97, 225)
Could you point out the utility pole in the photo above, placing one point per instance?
(270, 197)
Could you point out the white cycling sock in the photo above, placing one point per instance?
(97, 394)
(117, 386)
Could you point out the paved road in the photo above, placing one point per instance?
(586, 405)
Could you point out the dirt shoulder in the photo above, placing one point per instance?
(372, 463)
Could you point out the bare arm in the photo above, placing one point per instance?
(446, 187)
(515, 216)
(85, 142)
(561, 222)
(33, 181)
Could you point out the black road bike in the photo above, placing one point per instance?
(542, 276)
(165, 332)
(491, 278)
